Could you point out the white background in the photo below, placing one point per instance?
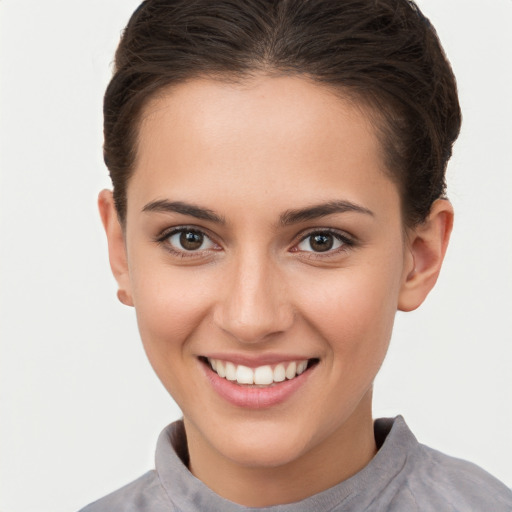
(80, 406)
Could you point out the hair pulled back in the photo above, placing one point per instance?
(384, 53)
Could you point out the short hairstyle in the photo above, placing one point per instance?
(385, 54)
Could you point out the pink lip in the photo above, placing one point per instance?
(253, 397)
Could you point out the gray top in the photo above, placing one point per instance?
(404, 476)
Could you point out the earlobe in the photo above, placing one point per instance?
(116, 246)
(427, 247)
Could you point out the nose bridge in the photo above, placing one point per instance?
(254, 304)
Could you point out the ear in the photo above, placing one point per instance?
(427, 244)
(116, 246)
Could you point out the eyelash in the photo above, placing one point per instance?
(346, 242)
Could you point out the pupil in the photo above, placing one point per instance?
(321, 243)
(191, 240)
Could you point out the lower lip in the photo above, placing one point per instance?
(254, 397)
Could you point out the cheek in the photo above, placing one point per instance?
(170, 305)
(353, 309)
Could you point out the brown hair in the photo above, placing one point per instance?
(383, 52)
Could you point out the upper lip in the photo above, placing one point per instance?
(253, 361)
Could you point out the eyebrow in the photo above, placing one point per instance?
(321, 210)
(288, 218)
(164, 206)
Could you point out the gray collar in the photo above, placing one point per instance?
(393, 437)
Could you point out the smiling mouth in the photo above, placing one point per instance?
(261, 376)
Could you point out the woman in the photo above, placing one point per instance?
(278, 194)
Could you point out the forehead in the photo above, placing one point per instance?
(267, 136)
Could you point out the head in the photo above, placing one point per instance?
(383, 54)
(278, 172)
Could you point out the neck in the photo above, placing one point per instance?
(338, 457)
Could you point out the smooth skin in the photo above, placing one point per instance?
(244, 159)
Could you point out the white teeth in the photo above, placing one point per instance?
(221, 369)
(279, 373)
(263, 375)
(230, 371)
(260, 376)
(291, 370)
(244, 375)
(301, 367)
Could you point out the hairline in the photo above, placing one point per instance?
(370, 106)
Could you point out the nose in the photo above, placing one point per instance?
(253, 304)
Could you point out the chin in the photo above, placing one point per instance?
(264, 455)
(262, 444)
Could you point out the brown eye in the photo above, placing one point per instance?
(189, 240)
(322, 242)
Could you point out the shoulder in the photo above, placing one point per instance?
(142, 495)
(448, 483)
(412, 477)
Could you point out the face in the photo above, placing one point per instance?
(264, 240)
